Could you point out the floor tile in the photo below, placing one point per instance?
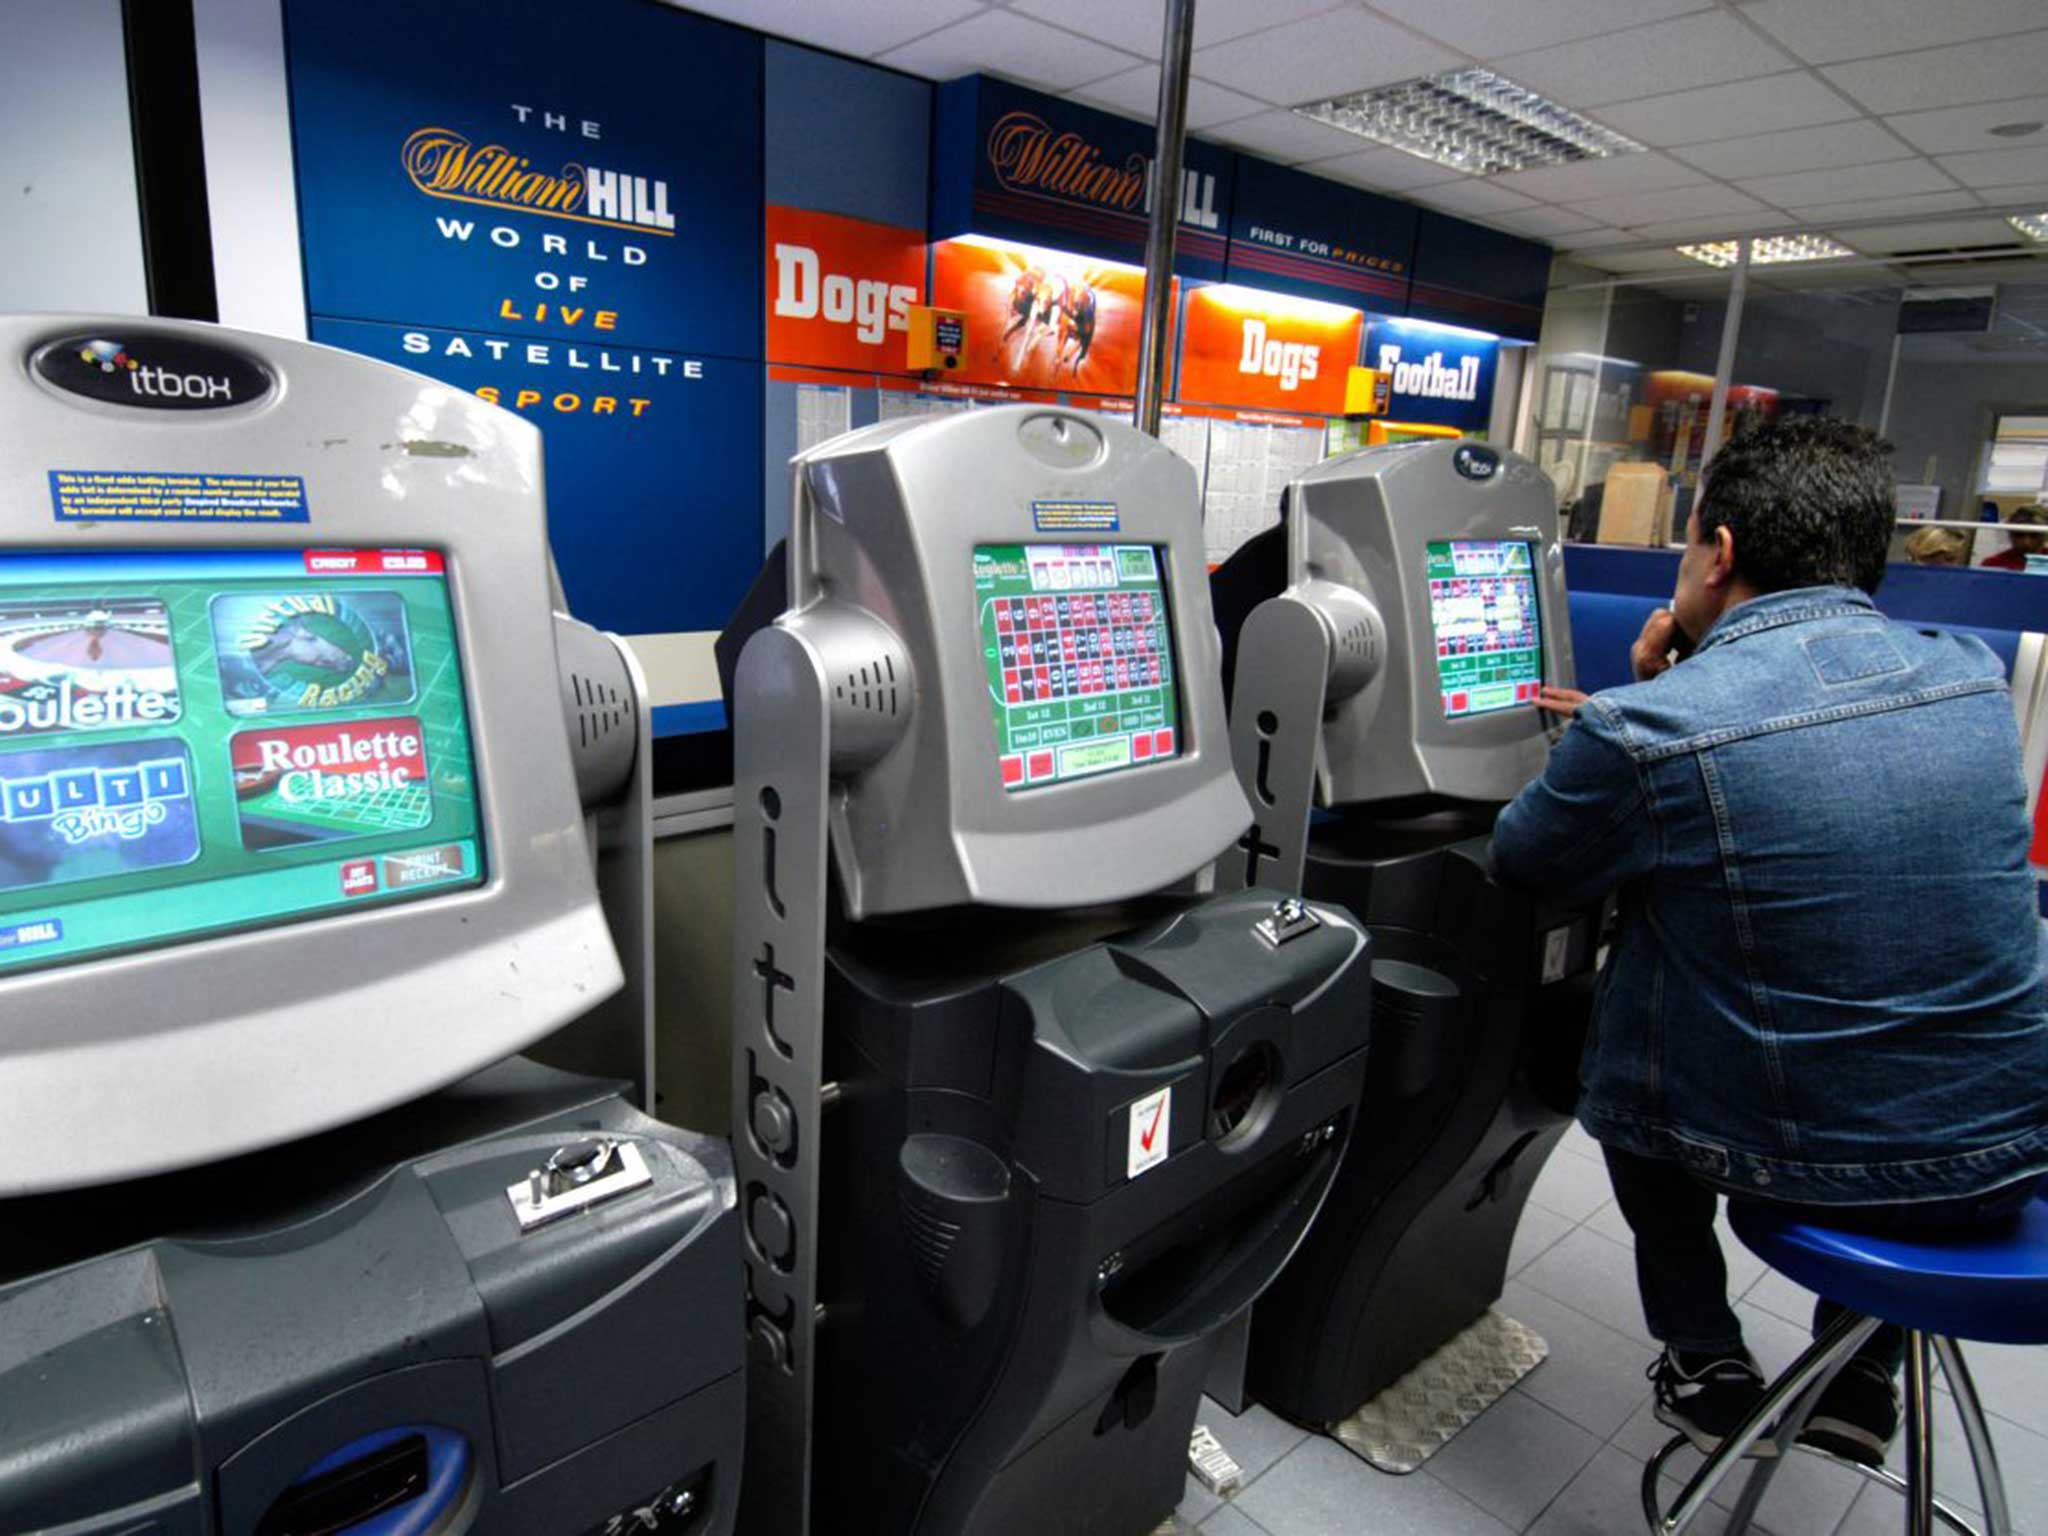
(1594, 1375)
(1321, 1489)
(1256, 1438)
(1576, 1141)
(2022, 1461)
(1744, 1267)
(1514, 1459)
(1780, 1297)
(2012, 1381)
(1573, 1187)
(1609, 1222)
(1605, 1499)
(1537, 1231)
(1231, 1521)
(1197, 1503)
(1594, 1275)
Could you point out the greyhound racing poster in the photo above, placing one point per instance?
(1042, 319)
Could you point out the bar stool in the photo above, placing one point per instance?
(1988, 1284)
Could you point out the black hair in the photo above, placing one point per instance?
(1810, 501)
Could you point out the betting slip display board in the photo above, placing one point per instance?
(1482, 608)
(196, 742)
(1079, 659)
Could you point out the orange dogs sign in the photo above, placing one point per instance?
(840, 290)
(1267, 351)
(1041, 318)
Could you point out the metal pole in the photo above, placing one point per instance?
(1175, 47)
(1724, 366)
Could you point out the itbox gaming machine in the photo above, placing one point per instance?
(294, 853)
(1389, 639)
(1018, 1134)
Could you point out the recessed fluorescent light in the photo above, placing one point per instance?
(1767, 250)
(2033, 225)
(1471, 120)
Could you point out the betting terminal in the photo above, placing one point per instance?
(1385, 645)
(315, 811)
(1024, 1116)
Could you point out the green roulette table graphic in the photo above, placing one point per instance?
(1489, 638)
(262, 735)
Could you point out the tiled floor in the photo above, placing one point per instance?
(1563, 1454)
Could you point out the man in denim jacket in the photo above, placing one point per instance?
(1827, 987)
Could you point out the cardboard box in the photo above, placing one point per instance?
(1635, 508)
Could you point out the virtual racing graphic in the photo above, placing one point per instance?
(85, 664)
(197, 742)
(1482, 605)
(1079, 658)
(304, 651)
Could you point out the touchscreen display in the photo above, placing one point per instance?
(1482, 607)
(197, 742)
(1079, 659)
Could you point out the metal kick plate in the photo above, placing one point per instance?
(1416, 1417)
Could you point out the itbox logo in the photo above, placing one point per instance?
(1288, 361)
(159, 373)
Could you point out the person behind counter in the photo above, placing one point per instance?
(2023, 544)
(1938, 546)
(1818, 993)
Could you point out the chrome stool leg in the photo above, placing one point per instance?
(1919, 1436)
(1786, 1435)
(1997, 1517)
(1822, 1358)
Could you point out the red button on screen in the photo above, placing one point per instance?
(1141, 747)
(1162, 742)
(1013, 768)
(1041, 765)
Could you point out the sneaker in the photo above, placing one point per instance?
(1858, 1415)
(1706, 1398)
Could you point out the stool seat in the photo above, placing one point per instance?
(1988, 1283)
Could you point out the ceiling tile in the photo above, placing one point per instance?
(1827, 31)
(1327, 55)
(1390, 170)
(1704, 49)
(1591, 239)
(1474, 197)
(1884, 207)
(1586, 179)
(1489, 29)
(1955, 130)
(1765, 105)
(1546, 223)
(1137, 25)
(862, 28)
(1135, 93)
(1862, 142)
(1665, 260)
(1004, 43)
(2028, 197)
(1998, 167)
(1929, 234)
(1720, 227)
(1948, 77)
(1291, 138)
(1706, 200)
(1898, 178)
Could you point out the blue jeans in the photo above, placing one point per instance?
(1683, 1278)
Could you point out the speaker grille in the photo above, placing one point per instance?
(871, 688)
(600, 709)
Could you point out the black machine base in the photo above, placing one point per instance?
(356, 1328)
(1480, 1002)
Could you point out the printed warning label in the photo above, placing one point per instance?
(1151, 1130)
(94, 495)
(1074, 516)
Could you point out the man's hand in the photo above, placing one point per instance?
(1651, 654)
(1560, 701)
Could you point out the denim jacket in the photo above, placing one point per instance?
(1828, 982)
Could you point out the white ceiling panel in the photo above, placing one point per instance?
(862, 28)
(1546, 223)
(1489, 29)
(1802, 188)
(1828, 31)
(1764, 105)
(1948, 77)
(1137, 25)
(1592, 239)
(1474, 197)
(1643, 261)
(1135, 93)
(1389, 170)
(1862, 142)
(2029, 197)
(1956, 130)
(1328, 55)
(1291, 138)
(1704, 49)
(1885, 207)
(1882, 239)
(1004, 43)
(1999, 167)
(1719, 227)
(1706, 200)
(1586, 179)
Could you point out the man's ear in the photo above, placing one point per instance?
(1723, 569)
